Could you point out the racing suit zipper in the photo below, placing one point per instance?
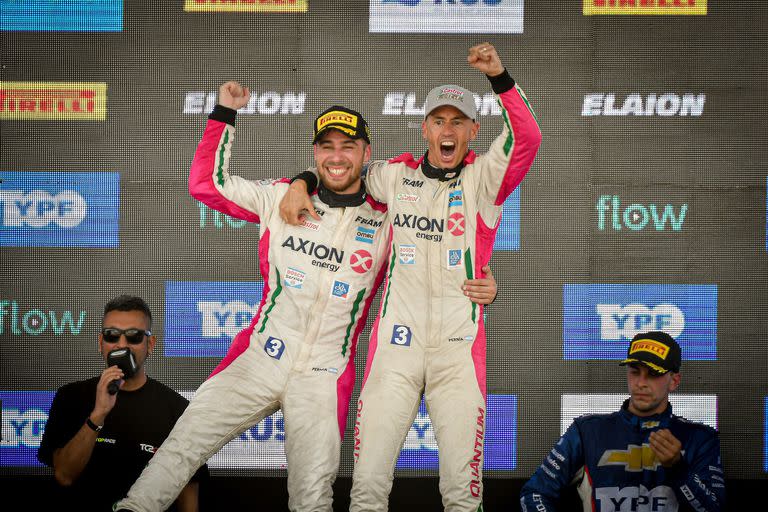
(316, 314)
(434, 277)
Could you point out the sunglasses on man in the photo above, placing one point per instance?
(132, 335)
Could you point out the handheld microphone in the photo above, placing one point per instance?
(123, 359)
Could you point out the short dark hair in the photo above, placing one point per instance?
(129, 303)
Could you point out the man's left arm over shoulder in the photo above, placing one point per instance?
(512, 153)
(698, 478)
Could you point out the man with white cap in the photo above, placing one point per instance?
(429, 339)
(640, 458)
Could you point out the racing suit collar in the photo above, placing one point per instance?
(660, 420)
(335, 200)
(441, 174)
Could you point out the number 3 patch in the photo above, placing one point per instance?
(401, 335)
(274, 347)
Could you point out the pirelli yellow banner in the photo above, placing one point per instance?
(53, 101)
(635, 7)
(246, 5)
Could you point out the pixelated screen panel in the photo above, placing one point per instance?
(644, 209)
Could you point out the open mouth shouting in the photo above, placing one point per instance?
(447, 152)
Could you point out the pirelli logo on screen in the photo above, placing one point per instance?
(635, 7)
(246, 5)
(53, 101)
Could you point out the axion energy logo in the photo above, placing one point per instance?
(400, 103)
(246, 5)
(420, 447)
(508, 234)
(59, 209)
(635, 7)
(53, 101)
(201, 318)
(62, 15)
(698, 408)
(599, 320)
(447, 16)
(261, 446)
(24, 416)
(265, 103)
(643, 105)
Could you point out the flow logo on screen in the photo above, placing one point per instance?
(600, 319)
(420, 447)
(201, 318)
(18, 321)
(447, 16)
(210, 218)
(67, 209)
(25, 414)
(612, 214)
(62, 15)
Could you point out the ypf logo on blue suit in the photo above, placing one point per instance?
(59, 209)
(447, 16)
(25, 414)
(600, 319)
(201, 318)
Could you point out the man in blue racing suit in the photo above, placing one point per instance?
(641, 458)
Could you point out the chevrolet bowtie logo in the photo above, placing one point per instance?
(634, 458)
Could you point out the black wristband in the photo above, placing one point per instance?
(502, 82)
(309, 178)
(223, 114)
(92, 425)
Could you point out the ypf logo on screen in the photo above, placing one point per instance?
(202, 318)
(59, 209)
(53, 101)
(641, 7)
(24, 416)
(599, 320)
(441, 16)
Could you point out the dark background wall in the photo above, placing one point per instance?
(686, 130)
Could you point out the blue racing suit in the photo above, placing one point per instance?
(608, 458)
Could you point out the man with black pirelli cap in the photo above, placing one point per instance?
(642, 457)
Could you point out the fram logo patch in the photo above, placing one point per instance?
(62, 15)
(53, 101)
(599, 320)
(246, 5)
(25, 414)
(201, 318)
(635, 7)
(59, 209)
(420, 447)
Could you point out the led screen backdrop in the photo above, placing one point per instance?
(645, 208)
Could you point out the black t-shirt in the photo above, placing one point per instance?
(133, 430)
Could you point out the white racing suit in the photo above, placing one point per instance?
(429, 338)
(297, 355)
